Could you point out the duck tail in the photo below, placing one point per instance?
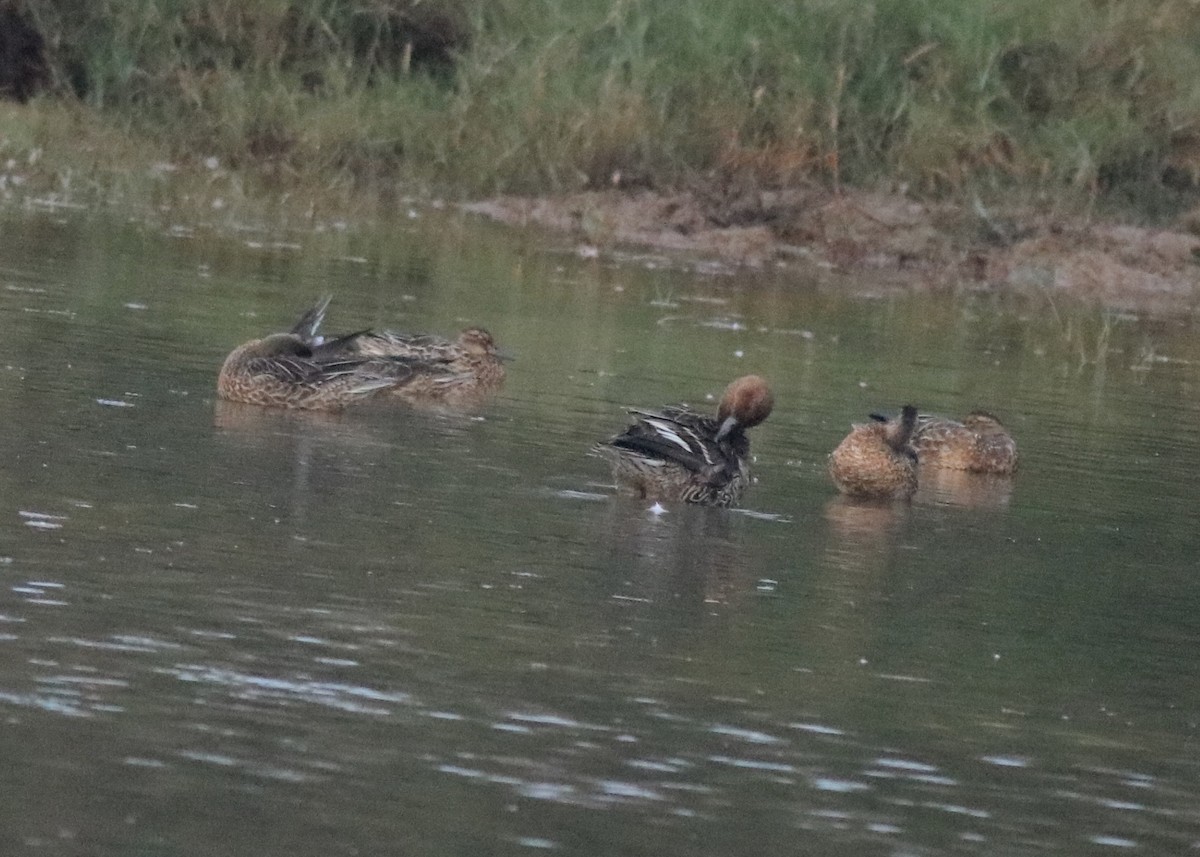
(312, 319)
(727, 427)
(345, 339)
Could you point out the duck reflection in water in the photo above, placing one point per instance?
(941, 486)
(297, 458)
(863, 536)
(683, 558)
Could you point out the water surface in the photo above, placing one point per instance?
(228, 630)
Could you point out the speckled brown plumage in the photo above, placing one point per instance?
(455, 371)
(675, 454)
(299, 370)
(980, 443)
(876, 460)
(467, 367)
(283, 371)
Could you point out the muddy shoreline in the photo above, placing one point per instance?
(899, 240)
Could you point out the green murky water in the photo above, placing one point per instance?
(227, 631)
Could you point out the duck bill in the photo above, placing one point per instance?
(726, 427)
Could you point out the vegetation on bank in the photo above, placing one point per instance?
(473, 97)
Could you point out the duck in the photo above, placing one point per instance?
(676, 454)
(979, 443)
(460, 369)
(298, 369)
(470, 364)
(877, 460)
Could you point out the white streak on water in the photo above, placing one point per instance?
(753, 764)
(1005, 761)
(833, 784)
(750, 736)
(816, 728)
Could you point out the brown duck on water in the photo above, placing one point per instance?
(446, 370)
(979, 444)
(300, 370)
(472, 363)
(877, 460)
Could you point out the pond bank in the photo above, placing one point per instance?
(898, 240)
(57, 156)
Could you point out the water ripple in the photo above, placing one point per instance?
(554, 720)
(754, 764)
(750, 736)
(345, 697)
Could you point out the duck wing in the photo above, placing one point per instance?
(676, 435)
(300, 369)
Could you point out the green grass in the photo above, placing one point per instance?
(470, 97)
